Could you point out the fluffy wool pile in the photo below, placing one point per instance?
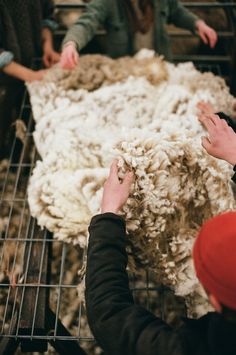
(151, 125)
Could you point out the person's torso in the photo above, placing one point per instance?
(21, 26)
(121, 39)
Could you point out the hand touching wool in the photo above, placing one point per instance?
(70, 56)
(116, 192)
(221, 142)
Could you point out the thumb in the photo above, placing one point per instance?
(206, 143)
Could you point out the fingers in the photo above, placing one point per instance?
(75, 58)
(208, 35)
(46, 61)
(203, 37)
(208, 122)
(114, 167)
(206, 143)
(212, 38)
(205, 107)
(69, 58)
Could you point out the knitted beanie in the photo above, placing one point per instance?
(214, 255)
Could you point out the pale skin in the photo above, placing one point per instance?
(115, 195)
(116, 192)
(70, 55)
(221, 139)
(50, 57)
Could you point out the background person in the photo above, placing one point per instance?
(25, 33)
(131, 25)
(122, 327)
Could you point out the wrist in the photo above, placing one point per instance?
(199, 23)
(27, 74)
(70, 43)
(109, 209)
(47, 46)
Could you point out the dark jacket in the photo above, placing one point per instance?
(123, 328)
(112, 15)
(21, 23)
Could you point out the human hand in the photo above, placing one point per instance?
(116, 192)
(34, 75)
(221, 142)
(205, 107)
(50, 57)
(69, 56)
(206, 33)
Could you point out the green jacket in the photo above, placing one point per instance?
(112, 15)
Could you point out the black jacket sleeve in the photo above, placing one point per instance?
(119, 326)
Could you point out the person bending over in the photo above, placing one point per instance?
(130, 26)
(122, 327)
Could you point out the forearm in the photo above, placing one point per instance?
(182, 17)
(85, 28)
(18, 71)
(107, 257)
(47, 39)
(117, 323)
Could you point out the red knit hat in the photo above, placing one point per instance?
(214, 255)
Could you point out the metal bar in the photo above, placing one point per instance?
(187, 34)
(67, 347)
(32, 318)
(202, 58)
(69, 6)
(59, 288)
(9, 345)
(209, 4)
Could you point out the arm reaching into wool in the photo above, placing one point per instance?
(221, 142)
(83, 31)
(115, 192)
(118, 324)
(22, 73)
(69, 56)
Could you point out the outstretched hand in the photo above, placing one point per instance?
(206, 33)
(69, 56)
(116, 192)
(221, 142)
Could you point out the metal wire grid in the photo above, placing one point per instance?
(28, 287)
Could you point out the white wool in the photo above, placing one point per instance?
(152, 126)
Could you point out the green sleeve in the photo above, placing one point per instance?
(85, 28)
(182, 17)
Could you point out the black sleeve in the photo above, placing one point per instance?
(119, 326)
(229, 120)
(48, 9)
(1, 37)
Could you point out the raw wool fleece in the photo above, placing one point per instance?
(153, 129)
